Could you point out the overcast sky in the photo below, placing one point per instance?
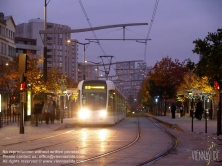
(176, 24)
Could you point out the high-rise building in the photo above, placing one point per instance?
(61, 54)
(125, 77)
(7, 35)
(129, 76)
(26, 46)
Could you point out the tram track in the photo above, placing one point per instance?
(110, 152)
(168, 151)
(36, 139)
(44, 138)
(122, 148)
(157, 157)
(48, 137)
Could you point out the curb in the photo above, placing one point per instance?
(170, 125)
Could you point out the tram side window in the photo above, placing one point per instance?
(117, 101)
(78, 100)
(112, 101)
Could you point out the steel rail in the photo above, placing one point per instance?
(110, 152)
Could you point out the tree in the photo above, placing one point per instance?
(34, 76)
(210, 51)
(9, 76)
(143, 95)
(167, 75)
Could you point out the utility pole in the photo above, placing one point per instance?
(45, 47)
(22, 89)
(84, 58)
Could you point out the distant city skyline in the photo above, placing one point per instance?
(175, 26)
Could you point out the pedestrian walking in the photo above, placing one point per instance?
(199, 109)
(52, 117)
(181, 111)
(38, 111)
(47, 110)
(41, 115)
(57, 114)
(173, 110)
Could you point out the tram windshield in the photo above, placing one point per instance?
(94, 97)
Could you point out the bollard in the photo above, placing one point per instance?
(218, 122)
(36, 119)
(191, 111)
(205, 114)
(210, 114)
(7, 117)
(10, 114)
(0, 120)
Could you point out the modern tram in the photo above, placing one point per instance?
(99, 102)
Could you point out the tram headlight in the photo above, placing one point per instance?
(103, 113)
(83, 114)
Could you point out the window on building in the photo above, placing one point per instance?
(21, 42)
(20, 51)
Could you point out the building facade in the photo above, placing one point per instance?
(26, 46)
(87, 71)
(129, 77)
(7, 35)
(61, 54)
(7, 52)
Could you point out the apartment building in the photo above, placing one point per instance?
(88, 71)
(61, 54)
(26, 46)
(125, 77)
(7, 34)
(7, 52)
(129, 76)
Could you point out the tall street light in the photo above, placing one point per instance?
(84, 58)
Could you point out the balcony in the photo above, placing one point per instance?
(49, 41)
(49, 59)
(49, 47)
(49, 35)
(28, 47)
(49, 65)
(49, 53)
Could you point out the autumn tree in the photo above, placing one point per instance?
(34, 76)
(191, 83)
(143, 95)
(71, 83)
(167, 75)
(9, 77)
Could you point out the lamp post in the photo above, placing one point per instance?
(62, 83)
(84, 55)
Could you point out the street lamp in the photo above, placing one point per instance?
(84, 55)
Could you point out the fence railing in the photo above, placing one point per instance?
(7, 117)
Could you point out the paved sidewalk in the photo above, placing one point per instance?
(190, 143)
(193, 147)
(31, 128)
(185, 123)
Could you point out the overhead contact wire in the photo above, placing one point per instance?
(90, 25)
(150, 27)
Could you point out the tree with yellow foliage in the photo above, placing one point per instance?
(166, 75)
